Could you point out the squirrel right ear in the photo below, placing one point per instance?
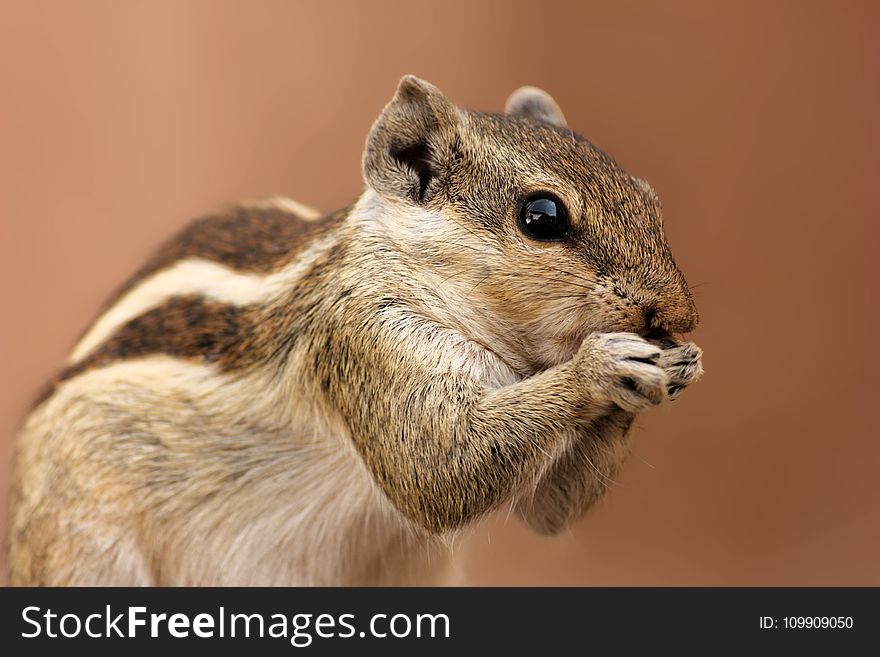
(408, 142)
(536, 104)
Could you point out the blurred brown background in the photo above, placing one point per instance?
(756, 122)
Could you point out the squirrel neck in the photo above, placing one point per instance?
(399, 240)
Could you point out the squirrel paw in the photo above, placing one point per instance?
(682, 365)
(626, 369)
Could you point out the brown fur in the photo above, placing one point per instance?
(423, 363)
(183, 327)
(244, 237)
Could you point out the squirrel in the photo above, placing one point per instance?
(279, 398)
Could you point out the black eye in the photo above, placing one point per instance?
(543, 217)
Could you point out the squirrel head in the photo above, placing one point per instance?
(535, 237)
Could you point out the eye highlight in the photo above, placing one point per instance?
(543, 217)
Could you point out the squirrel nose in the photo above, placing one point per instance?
(676, 317)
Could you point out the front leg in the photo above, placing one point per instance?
(597, 450)
(592, 458)
(445, 450)
(683, 364)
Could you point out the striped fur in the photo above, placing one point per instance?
(187, 338)
(279, 398)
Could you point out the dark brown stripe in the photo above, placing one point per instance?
(251, 239)
(245, 238)
(231, 336)
(183, 327)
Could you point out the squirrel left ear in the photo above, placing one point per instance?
(408, 144)
(535, 104)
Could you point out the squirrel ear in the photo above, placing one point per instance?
(536, 104)
(408, 142)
